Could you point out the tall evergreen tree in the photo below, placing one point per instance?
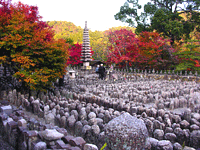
(164, 16)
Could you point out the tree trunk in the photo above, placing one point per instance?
(172, 40)
(61, 81)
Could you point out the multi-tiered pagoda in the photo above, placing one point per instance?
(86, 51)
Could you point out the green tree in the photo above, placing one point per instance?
(99, 43)
(189, 54)
(164, 16)
(66, 30)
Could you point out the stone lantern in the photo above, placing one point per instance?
(86, 51)
(72, 74)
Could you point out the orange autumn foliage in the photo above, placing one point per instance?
(28, 47)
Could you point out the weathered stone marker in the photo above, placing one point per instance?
(126, 132)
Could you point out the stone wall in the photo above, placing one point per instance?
(25, 131)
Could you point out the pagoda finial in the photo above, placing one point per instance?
(85, 24)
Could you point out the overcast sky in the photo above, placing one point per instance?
(99, 14)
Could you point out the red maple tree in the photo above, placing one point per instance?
(123, 48)
(75, 54)
(154, 51)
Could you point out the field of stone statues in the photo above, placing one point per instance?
(128, 113)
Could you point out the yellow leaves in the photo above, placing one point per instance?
(29, 80)
(19, 58)
(123, 27)
(32, 64)
(24, 61)
(30, 45)
(2, 43)
(13, 40)
(48, 51)
(24, 76)
(44, 80)
(2, 59)
(17, 73)
(190, 44)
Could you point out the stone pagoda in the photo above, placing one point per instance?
(86, 51)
